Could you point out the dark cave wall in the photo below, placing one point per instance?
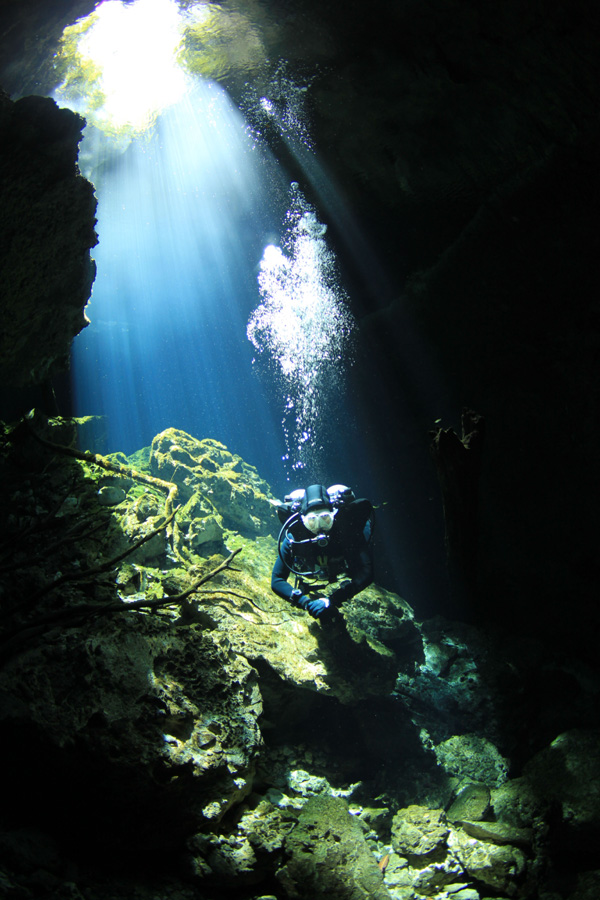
(472, 155)
(47, 223)
(521, 346)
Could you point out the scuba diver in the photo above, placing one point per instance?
(325, 532)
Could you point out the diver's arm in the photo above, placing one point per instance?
(280, 585)
(281, 573)
(360, 569)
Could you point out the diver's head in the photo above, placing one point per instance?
(317, 510)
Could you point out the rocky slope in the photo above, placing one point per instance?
(177, 730)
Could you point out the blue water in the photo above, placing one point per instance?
(183, 217)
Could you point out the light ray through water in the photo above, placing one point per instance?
(180, 220)
(186, 199)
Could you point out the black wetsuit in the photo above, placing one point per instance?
(347, 551)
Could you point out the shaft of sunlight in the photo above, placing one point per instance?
(180, 219)
(129, 53)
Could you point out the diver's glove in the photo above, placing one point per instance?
(316, 607)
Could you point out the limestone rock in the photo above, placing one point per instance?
(472, 802)
(110, 495)
(328, 856)
(158, 706)
(47, 218)
(322, 656)
(418, 831)
(266, 826)
(242, 857)
(223, 859)
(498, 867)
(516, 803)
(214, 482)
(434, 877)
(497, 832)
(422, 877)
(228, 727)
(473, 757)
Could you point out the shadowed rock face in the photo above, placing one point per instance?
(165, 724)
(46, 233)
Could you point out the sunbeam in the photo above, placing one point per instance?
(128, 55)
(179, 218)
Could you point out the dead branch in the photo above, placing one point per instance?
(96, 459)
(75, 614)
(177, 598)
(106, 566)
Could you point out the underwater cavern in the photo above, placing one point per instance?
(250, 246)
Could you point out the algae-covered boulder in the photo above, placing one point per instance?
(420, 832)
(143, 717)
(329, 857)
(472, 803)
(439, 854)
(472, 758)
(499, 867)
(219, 483)
(326, 657)
(246, 855)
(516, 803)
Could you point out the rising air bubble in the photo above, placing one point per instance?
(302, 328)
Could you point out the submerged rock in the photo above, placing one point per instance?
(498, 867)
(469, 756)
(420, 832)
(223, 485)
(110, 495)
(328, 856)
(162, 702)
(472, 802)
(146, 709)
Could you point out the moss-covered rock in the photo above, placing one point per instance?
(420, 832)
(328, 856)
(472, 758)
(500, 867)
(222, 484)
(472, 802)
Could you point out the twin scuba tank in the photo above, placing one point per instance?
(338, 495)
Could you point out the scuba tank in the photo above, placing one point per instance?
(296, 504)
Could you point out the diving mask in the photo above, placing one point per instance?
(319, 520)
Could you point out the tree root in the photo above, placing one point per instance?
(74, 615)
(116, 468)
